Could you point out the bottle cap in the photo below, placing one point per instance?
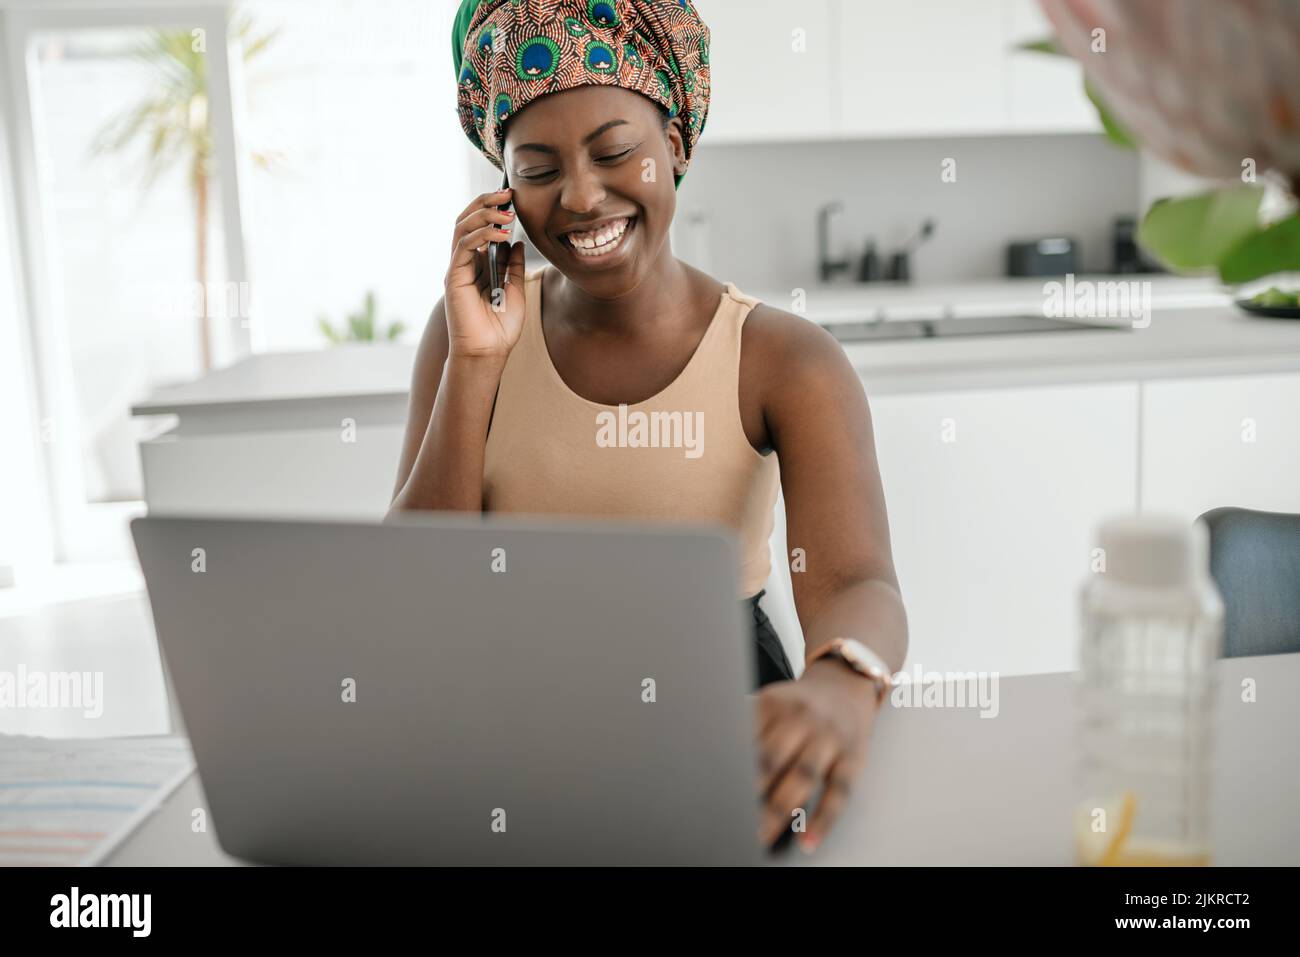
(1158, 551)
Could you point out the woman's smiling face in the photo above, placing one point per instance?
(593, 170)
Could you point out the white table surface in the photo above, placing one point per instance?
(948, 787)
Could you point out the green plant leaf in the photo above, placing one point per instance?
(1043, 45)
(1115, 131)
(1197, 231)
(1273, 249)
(396, 329)
(358, 329)
(328, 330)
(253, 44)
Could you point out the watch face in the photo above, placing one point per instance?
(853, 651)
(865, 661)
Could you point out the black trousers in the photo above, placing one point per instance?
(770, 664)
(770, 661)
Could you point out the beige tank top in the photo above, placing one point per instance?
(679, 456)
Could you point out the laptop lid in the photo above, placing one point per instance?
(456, 690)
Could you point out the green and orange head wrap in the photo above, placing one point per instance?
(508, 53)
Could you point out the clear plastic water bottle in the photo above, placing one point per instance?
(1152, 630)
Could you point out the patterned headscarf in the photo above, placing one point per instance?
(507, 53)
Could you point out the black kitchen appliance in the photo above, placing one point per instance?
(1049, 256)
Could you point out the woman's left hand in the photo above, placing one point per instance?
(812, 736)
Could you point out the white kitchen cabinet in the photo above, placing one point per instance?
(880, 68)
(1229, 440)
(993, 499)
(1045, 92)
(924, 68)
(772, 69)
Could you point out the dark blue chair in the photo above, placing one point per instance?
(1255, 561)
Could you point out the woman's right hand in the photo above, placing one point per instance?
(480, 322)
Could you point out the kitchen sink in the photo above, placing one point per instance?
(947, 327)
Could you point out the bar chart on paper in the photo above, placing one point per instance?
(70, 802)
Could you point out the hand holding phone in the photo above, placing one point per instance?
(485, 304)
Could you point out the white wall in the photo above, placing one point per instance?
(761, 201)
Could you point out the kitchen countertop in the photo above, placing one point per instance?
(1192, 332)
(276, 377)
(1178, 343)
(846, 301)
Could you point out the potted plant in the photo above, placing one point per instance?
(362, 326)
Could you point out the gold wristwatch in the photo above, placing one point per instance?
(861, 659)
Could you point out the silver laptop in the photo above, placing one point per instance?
(439, 690)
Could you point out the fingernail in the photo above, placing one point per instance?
(808, 843)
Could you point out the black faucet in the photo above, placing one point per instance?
(827, 267)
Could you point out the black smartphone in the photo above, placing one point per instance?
(495, 249)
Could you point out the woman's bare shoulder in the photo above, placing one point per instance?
(776, 342)
(786, 364)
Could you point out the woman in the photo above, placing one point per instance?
(587, 105)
